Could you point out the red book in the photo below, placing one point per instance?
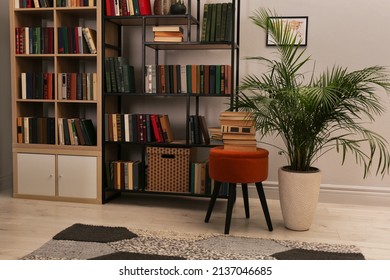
(110, 11)
(157, 135)
(144, 7)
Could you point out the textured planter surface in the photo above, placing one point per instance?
(298, 197)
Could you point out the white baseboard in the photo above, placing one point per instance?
(360, 195)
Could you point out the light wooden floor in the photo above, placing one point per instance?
(26, 224)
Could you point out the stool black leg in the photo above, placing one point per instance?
(217, 186)
(245, 196)
(260, 192)
(229, 210)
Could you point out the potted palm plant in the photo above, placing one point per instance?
(312, 115)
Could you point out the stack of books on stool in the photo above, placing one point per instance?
(238, 131)
(168, 33)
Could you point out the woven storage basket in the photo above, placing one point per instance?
(168, 169)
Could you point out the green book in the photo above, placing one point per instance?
(204, 25)
(223, 21)
(229, 18)
(213, 23)
(218, 21)
(107, 74)
(112, 74)
(189, 80)
(126, 81)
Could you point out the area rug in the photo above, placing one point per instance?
(82, 242)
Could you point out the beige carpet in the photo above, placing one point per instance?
(82, 242)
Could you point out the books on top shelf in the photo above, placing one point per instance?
(128, 8)
(167, 33)
(140, 128)
(217, 22)
(238, 131)
(119, 75)
(195, 79)
(33, 3)
(74, 3)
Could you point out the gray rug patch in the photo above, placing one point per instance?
(242, 245)
(70, 250)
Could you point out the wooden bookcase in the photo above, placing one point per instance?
(44, 166)
(117, 32)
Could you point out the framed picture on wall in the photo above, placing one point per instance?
(297, 24)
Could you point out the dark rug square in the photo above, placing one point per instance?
(135, 256)
(90, 233)
(300, 254)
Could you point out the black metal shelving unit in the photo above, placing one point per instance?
(112, 102)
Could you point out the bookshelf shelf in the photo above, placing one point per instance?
(182, 105)
(153, 20)
(38, 122)
(191, 46)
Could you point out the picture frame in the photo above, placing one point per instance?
(298, 23)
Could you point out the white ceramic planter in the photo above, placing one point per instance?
(298, 192)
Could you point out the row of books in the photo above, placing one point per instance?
(199, 133)
(217, 22)
(138, 128)
(37, 85)
(128, 8)
(77, 40)
(77, 86)
(34, 40)
(167, 33)
(200, 182)
(123, 175)
(238, 131)
(126, 175)
(76, 131)
(75, 3)
(119, 75)
(33, 3)
(49, 3)
(195, 79)
(33, 130)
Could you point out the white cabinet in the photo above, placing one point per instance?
(57, 176)
(77, 176)
(36, 174)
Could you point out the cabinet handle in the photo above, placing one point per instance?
(51, 176)
(60, 176)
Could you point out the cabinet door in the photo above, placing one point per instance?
(77, 176)
(36, 174)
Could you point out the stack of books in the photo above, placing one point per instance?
(238, 131)
(168, 33)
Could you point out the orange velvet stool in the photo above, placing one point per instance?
(235, 166)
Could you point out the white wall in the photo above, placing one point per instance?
(353, 34)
